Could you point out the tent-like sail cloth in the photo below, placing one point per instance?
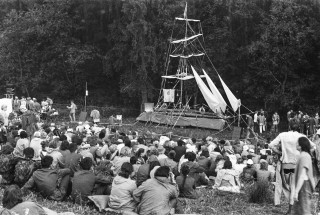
(211, 100)
(215, 92)
(235, 103)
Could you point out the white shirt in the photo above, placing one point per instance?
(288, 141)
(255, 117)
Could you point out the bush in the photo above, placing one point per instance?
(260, 192)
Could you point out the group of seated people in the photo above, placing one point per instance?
(140, 174)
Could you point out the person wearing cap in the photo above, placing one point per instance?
(285, 146)
(36, 145)
(249, 174)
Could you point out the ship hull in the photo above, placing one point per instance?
(197, 121)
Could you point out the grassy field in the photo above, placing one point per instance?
(210, 202)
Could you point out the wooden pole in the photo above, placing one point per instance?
(85, 99)
(239, 117)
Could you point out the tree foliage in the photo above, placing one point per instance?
(267, 51)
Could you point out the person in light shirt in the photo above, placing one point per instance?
(285, 146)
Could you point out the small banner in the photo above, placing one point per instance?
(168, 95)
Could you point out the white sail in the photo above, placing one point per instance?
(215, 92)
(186, 39)
(235, 103)
(211, 100)
(186, 56)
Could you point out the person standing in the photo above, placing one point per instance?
(285, 145)
(304, 181)
(275, 121)
(255, 121)
(249, 126)
(262, 122)
(72, 114)
(16, 104)
(5, 115)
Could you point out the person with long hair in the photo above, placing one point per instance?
(139, 156)
(304, 181)
(186, 184)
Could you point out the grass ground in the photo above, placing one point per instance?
(210, 202)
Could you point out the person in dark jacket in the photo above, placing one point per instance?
(180, 150)
(51, 183)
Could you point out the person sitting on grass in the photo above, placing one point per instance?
(263, 174)
(157, 195)
(13, 204)
(249, 173)
(196, 171)
(122, 190)
(25, 167)
(54, 152)
(22, 143)
(7, 164)
(50, 182)
(228, 178)
(72, 160)
(83, 181)
(186, 184)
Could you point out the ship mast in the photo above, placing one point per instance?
(183, 70)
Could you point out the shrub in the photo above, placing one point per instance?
(260, 192)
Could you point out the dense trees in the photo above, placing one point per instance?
(267, 51)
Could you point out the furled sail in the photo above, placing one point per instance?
(211, 100)
(215, 92)
(186, 56)
(186, 39)
(235, 103)
(184, 78)
(188, 20)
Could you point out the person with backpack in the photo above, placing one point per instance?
(73, 108)
(25, 167)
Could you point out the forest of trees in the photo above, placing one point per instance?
(267, 51)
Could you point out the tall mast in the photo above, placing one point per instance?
(183, 61)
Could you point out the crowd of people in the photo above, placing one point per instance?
(144, 174)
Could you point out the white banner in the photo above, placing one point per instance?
(168, 95)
